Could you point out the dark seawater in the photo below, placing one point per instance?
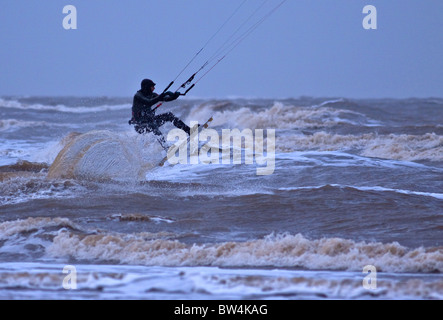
(354, 183)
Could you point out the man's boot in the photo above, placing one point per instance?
(181, 125)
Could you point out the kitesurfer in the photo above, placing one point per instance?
(143, 110)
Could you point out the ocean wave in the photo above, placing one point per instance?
(279, 116)
(281, 250)
(20, 187)
(333, 101)
(17, 227)
(28, 238)
(25, 181)
(396, 147)
(406, 147)
(315, 284)
(362, 188)
(65, 239)
(13, 124)
(14, 104)
(24, 166)
(116, 282)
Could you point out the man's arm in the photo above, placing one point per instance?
(171, 96)
(150, 102)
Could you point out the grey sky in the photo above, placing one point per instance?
(308, 47)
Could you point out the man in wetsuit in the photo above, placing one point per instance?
(143, 110)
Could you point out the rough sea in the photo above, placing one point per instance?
(87, 213)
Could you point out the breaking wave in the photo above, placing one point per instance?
(276, 250)
(61, 238)
(24, 166)
(396, 147)
(375, 188)
(13, 124)
(279, 116)
(320, 119)
(14, 104)
(26, 181)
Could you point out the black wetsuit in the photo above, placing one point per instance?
(143, 114)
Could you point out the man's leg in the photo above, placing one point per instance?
(146, 127)
(152, 127)
(169, 117)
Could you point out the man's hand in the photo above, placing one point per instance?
(170, 96)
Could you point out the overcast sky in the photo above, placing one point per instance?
(308, 47)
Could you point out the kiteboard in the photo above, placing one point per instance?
(174, 148)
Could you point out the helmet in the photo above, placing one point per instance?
(147, 84)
